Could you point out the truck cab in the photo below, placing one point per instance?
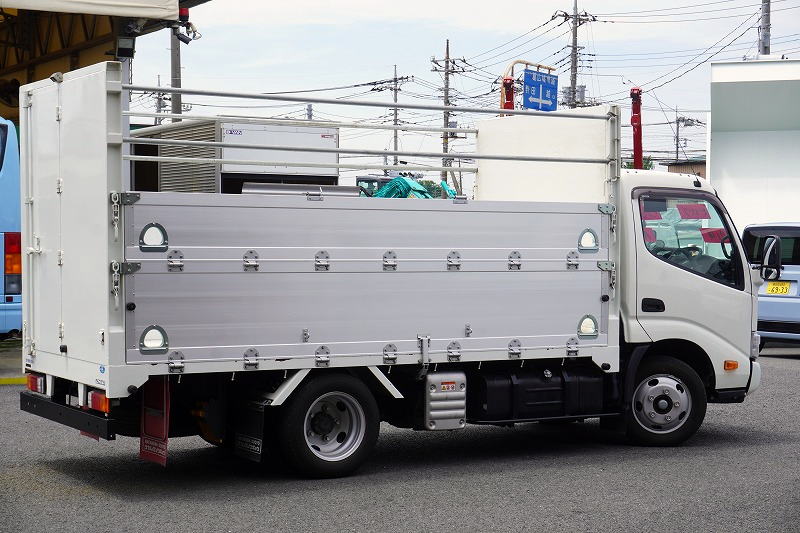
(10, 238)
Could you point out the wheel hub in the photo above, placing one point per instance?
(335, 426)
(661, 403)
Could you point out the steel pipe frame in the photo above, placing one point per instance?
(356, 166)
(290, 122)
(357, 151)
(358, 103)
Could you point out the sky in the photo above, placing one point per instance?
(664, 46)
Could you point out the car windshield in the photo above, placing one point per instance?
(790, 243)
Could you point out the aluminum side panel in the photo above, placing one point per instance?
(213, 309)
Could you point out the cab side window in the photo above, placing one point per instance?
(690, 233)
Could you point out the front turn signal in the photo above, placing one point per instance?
(730, 365)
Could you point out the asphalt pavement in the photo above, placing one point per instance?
(739, 473)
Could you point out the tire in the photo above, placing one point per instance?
(328, 427)
(668, 403)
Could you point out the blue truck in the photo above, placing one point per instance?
(10, 242)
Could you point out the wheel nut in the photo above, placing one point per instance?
(652, 414)
(666, 391)
(668, 418)
(677, 404)
(325, 438)
(433, 388)
(651, 398)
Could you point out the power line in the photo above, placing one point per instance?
(512, 40)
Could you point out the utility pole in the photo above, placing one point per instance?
(309, 112)
(685, 121)
(175, 77)
(763, 30)
(446, 124)
(575, 19)
(573, 57)
(160, 105)
(396, 122)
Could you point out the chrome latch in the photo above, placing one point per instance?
(572, 347)
(515, 260)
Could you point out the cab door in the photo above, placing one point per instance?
(691, 281)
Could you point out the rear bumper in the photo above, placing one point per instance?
(87, 421)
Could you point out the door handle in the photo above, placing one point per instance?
(653, 305)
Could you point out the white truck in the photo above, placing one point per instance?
(291, 325)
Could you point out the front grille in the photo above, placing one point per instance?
(779, 327)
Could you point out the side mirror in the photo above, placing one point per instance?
(770, 258)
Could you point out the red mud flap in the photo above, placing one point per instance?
(155, 420)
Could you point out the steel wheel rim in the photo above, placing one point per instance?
(661, 403)
(334, 426)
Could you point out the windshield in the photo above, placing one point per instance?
(790, 243)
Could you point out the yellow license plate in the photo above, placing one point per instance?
(778, 287)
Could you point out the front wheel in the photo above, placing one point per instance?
(329, 426)
(668, 403)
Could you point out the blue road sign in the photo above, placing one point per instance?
(541, 91)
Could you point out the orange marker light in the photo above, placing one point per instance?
(99, 401)
(730, 365)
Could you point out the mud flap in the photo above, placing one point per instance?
(155, 420)
(249, 442)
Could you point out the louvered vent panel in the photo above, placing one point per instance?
(181, 177)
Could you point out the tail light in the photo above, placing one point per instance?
(98, 401)
(13, 263)
(36, 383)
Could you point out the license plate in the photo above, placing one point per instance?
(778, 287)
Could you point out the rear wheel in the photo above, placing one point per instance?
(668, 404)
(329, 426)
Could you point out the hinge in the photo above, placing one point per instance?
(609, 209)
(322, 356)
(321, 263)
(119, 199)
(251, 359)
(460, 199)
(573, 260)
(175, 261)
(175, 363)
(59, 186)
(250, 261)
(514, 349)
(572, 347)
(454, 261)
(454, 352)
(61, 331)
(606, 209)
(515, 260)
(389, 354)
(58, 113)
(609, 266)
(389, 261)
(315, 196)
(28, 100)
(60, 257)
(117, 271)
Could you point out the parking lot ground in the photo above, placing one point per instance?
(741, 472)
(11, 362)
